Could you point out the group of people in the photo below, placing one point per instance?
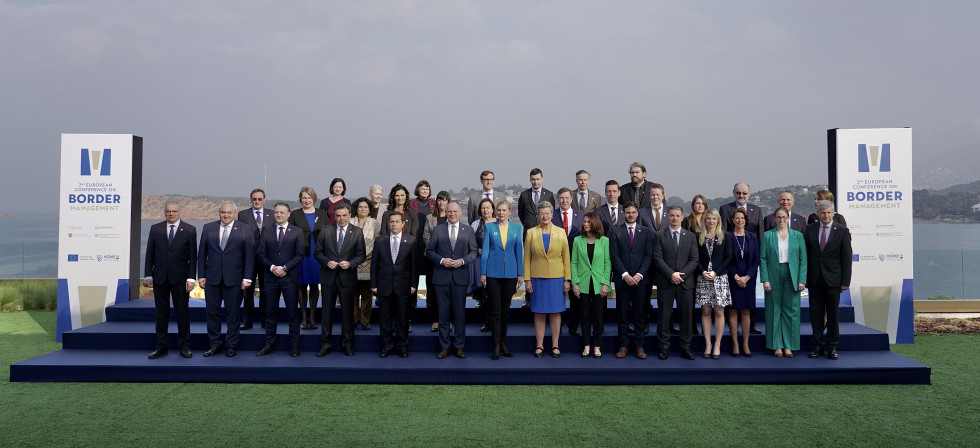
(570, 245)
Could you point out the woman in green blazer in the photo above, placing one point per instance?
(783, 272)
(591, 269)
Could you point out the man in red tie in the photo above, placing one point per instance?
(571, 220)
(631, 252)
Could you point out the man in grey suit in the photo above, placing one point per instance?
(226, 262)
(654, 216)
(259, 218)
(339, 250)
(585, 200)
(796, 221)
(452, 247)
(675, 257)
(527, 204)
(486, 179)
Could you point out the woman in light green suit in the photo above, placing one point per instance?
(783, 273)
(590, 280)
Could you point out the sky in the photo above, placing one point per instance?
(377, 91)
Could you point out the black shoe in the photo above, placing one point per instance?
(158, 353)
(349, 351)
(265, 350)
(753, 330)
(555, 353)
(212, 351)
(663, 355)
(366, 326)
(832, 354)
(485, 328)
(403, 353)
(538, 354)
(816, 353)
(324, 351)
(384, 353)
(460, 353)
(526, 305)
(573, 331)
(231, 352)
(675, 330)
(295, 351)
(313, 326)
(246, 326)
(185, 353)
(686, 354)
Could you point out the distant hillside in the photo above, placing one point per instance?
(956, 167)
(767, 199)
(952, 204)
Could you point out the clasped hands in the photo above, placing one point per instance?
(449, 263)
(343, 264)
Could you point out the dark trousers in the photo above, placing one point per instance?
(289, 289)
(630, 308)
(500, 291)
(162, 294)
(430, 291)
(231, 296)
(393, 318)
(592, 308)
(346, 294)
(363, 294)
(452, 307)
(667, 295)
(249, 311)
(573, 315)
(825, 298)
(480, 296)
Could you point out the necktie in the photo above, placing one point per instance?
(340, 239)
(823, 237)
(537, 197)
(656, 217)
(612, 211)
(170, 237)
(279, 241)
(631, 235)
(394, 249)
(581, 200)
(564, 221)
(258, 218)
(224, 237)
(677, 239)
(452, 237)
(486, 195)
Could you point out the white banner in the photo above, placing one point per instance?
(874, 193)
(98, 242)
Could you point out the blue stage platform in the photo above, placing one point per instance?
(116, 351)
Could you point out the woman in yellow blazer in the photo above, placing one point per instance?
(591, 269)
(547, 275)
(782, 269)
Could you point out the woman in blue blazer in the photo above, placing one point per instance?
(742, 275)
(782, 270)
(591, 270)
(501, 272)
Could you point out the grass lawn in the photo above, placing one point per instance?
(946, 413)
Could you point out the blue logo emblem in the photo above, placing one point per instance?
(72, 257)
(880, 157)
(97, 161)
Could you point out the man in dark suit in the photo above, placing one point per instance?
(610, 213)
(452, 247)
(171, 264)
(675, 257)
(527, 204)
(654, 216)
(339, 250)
(637, 190)
(796, 221)
(393, 279)
(742, 191)
(631, 252)
(584, 200)
(569, 220)
(226, 261)
(486, 179)
(260, 218)
(281, 251)
(828, 253)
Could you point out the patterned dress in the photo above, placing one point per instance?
(713, 293)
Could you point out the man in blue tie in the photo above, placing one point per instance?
(171, 265)
(675, 257)
(281, 251)
(260, 218)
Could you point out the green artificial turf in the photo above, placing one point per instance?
(170, 415)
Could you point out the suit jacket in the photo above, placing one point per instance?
(755, 223)
(598, 270)
(394, 278)
(832, 265)
(353, 251)
(629, 192)
(298, 218)
(472, 213)
(646, 218)
(439, 247)
(555, 263)
(720, 258)
(606, 219)
(527, 210)
(247, 217)
(575, 223)
(289, 253)
(174, 262)
(631, 259)
(838, 218)
(769, 257)
(796, 222)
(669, 258)
(592, 200)
(230, 266)
(497, 261)
(751, 254)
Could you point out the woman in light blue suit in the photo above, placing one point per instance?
(591, 269)
(782, 270)
(501, 271)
